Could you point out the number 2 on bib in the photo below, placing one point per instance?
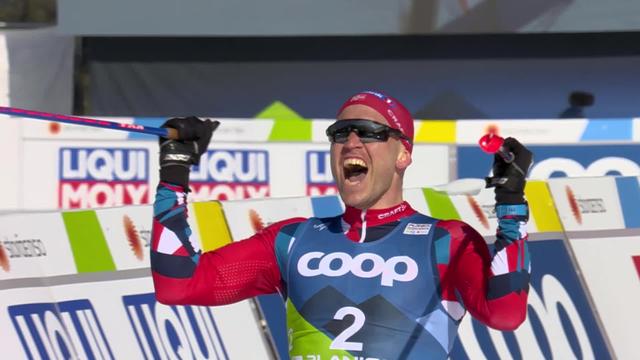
(340, 342)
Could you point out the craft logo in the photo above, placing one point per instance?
(174, 332)
(580, 206)
(319, 177)
(231, 175)
(399, 209)
(482, 212)
(98, 177)
(64, 330)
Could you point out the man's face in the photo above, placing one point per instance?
(368, 175)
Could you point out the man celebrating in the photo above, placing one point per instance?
(380, 281)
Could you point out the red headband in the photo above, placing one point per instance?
(393, 111)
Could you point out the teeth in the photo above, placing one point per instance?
(354, 162)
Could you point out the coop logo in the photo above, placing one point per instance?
(231, 175)
(581, 206)
(558, 166)
(319, 177)
(174, 332)
(64, 330)
(554, 310)
(97, 177)
(338, 264)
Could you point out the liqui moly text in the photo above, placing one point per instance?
(97, 177)
(319, 178)
(64, 330)
(173, 332)
(231, 175)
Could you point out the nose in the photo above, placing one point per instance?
(353, 140)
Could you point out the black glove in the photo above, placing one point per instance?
(177, 156)
(509, 178)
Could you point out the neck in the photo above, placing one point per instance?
(359, 220)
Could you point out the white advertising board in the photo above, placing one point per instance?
(587, 203)
(610, 267)
(118, 318)
(91, 174)
(538, 131)
(32, 246)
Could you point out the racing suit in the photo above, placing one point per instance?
(376, 284)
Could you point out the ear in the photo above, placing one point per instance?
(403, 160)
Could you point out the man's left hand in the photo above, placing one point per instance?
(509, 178)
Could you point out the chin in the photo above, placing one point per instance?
(355, 200)
(351, 200)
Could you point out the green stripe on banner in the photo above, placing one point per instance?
(88, 244)
(291, 130)
(440, 205)
(287, 124)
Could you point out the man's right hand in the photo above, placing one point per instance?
(177, 156)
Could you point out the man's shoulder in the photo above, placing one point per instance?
(289, 226)
(286, 225)
(455, 228)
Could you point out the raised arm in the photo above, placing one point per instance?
(182, 274)
(493, 286)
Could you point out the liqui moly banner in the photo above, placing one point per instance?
(82, 174)
(120, 319)
(225, 174)
(318, 175)
(98, 177)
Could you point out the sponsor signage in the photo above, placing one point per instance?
(112, 319)
(610, 267)
(384, 268)
(533, 131)
(63, 330)
(560, 323)
(28, 251)
(560, 161)
(128, 235)
(103, 177)
(231, 175)
(587, 203)
(245, 218)
(318, 174)
(185, 332)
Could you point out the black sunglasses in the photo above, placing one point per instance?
(367, 130)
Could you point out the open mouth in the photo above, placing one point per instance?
(355, 170)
